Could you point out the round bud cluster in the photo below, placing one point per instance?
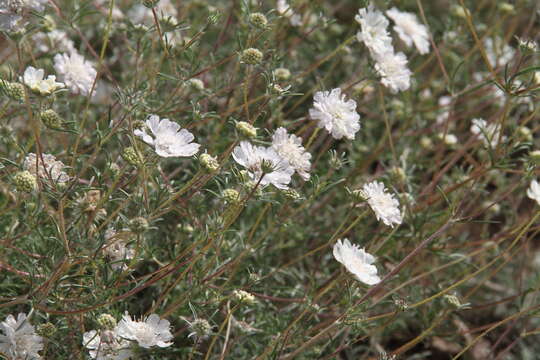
(14, 91)
(398, 174)
(258, 20)
(251, 56)
(106, 321)
(291, 194)
(453, 301)
(244, 297)
(46, 330)
(209, 162)
(200, 328)
(51, 119)
(138, 225)
(25, 182)
(282, 74)
(246, 129)
(231, 196)
(196, 84)
(132, 156)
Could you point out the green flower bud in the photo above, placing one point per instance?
(535, 156)
(200, 328)
(251, 56)
(209, 162)
(138, 225)
(14, 91)
(46, 330)
(282, 74)
(51, 119)
(231, 196)
(244, 297)
(246, 129)
(132, 156)
(258, 20)
(25, 182)
(196, 84)
(291, 194)
(106, 321)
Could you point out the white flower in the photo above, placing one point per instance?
(9, 21)
(384, 204)
(374, 33)
(107, 345)
(19, 339)
(33, 78)
(490, 133)
(117, 250)
(152, 331)
(498, 52)
(533, 192)
(169, 139)
(410, 30)
(77, 73)
(290, 148)
(337, 116)
(357, 261)
(254, 158)
(394, 72)
(48, 169)
(284, 9)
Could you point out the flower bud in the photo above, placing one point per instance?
(535, 156)
(231, 196)
(251, 56)
(132, 156)
(246, 129)
(244, 297)
(196, 85)
(282, 74)
(106, 321)
(25, 182)
(14, 91)
(258, 20)
(51, 119)
(209, 162)
(47, 330)
(138, 225)
(200, 328)
(291, 194)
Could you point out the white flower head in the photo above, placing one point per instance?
(357, 261)
(337, 116)
(489, 133)
(374, 33)
(46, 167)
(19, 339)
(169, 139)
(253, 158)
(151, 331)
(107, 345)
(290, 148)
(410, 30)
(77, 73)
(383, 203)
(34, 79)
(394, 72)
(533, 192)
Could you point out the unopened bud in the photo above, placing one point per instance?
(231, 196)
(251, 56)
(258, 20)
(138, 225)
(25, 182)
(209, 162)
(106, 321)
(51, 119)
(246, 129)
